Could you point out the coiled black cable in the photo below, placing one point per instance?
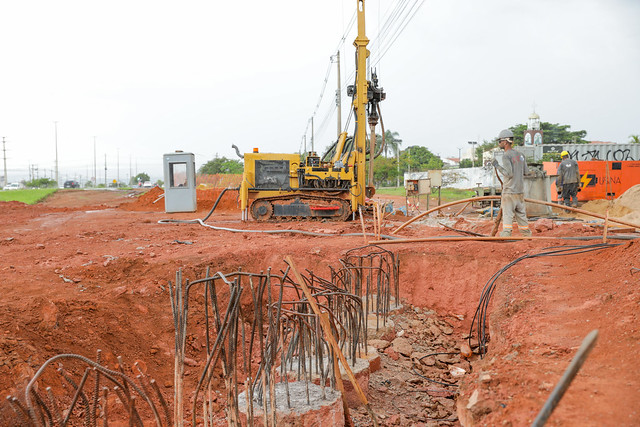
(480, 316)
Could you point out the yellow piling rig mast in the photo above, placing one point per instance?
(278, 186)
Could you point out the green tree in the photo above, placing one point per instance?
(392, 143)
(418, 158)
(41, 183)
(221, 165)
(385, 171)
(466, 163)
(554, 133)
(634, 139)
(551, 157)
(141, 177)
(485, 146)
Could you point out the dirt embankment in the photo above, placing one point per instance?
(153, 200)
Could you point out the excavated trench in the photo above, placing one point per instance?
(100, 281)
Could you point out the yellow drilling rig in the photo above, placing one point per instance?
(278, 186)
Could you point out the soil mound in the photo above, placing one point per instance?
(630, 198)
(148, 201)
(600, 206)
(626, 207)
(153, 200)
(207, 198)
(11, 206)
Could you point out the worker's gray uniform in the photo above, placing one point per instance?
(569, 180)
(513, 169)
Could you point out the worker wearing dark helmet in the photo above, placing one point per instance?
(513, 169)
(568, 181)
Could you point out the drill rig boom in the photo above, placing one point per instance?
(283, 186)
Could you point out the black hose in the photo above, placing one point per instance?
(218, 201)
(234, 230)
(480, 315)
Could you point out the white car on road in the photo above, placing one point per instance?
(12, 186)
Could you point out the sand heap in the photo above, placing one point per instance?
(625, 207)
(631, 200)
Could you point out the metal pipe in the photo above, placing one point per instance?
(569, 374)
(540, 202)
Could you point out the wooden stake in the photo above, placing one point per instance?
(326, 327)
(496, 222)
(364, 232)
(380, 215)
(336, 371)
(462, 210)
(606, 225)
(375, 220)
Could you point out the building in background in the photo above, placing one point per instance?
(533, 134)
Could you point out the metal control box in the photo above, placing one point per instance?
(179, 182)
(416, 187)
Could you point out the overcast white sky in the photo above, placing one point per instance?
(149, 77)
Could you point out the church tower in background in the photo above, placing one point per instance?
(533, 134)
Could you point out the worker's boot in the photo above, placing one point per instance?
(505, 233)
(526, 233)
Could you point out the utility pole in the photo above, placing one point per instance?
(130, 170)
(118, 168)
(4, 153)
(56, 137)
(473, 152)
(339, 96)
(95, 170)
(398, 164)
(105, 171)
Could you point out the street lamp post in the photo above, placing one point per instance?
(473, 152)
(56, 139)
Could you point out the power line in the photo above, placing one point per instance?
(350, 25)
(406, 20)
(326, 119)
(398, 16)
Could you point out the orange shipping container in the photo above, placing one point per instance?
(599, 179)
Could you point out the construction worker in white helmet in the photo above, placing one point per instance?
(568, 181)
(513, 169)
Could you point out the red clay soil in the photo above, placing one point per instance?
(88, 270)
(153, 200)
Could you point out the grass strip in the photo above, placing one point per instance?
(28, 196)
(449, 194)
